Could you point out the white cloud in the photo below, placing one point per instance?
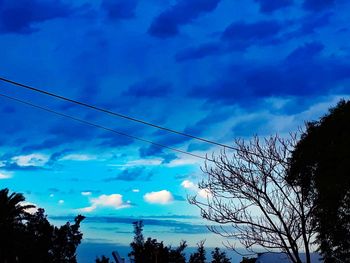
(86, 193)
(35, 159)
(51, 195)
(78, 157)
(188, 185)
(61, 202)
(204, 193)
(5, 175)
(87, 209)
(160, 197)
(136, 190)
(114, 201)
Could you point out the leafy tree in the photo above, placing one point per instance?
(320, 165)
(219, 257)
(199, 256)
(250, 196)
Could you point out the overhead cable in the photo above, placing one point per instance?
(104, 127)
(115, 114)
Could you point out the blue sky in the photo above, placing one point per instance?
(218, 69)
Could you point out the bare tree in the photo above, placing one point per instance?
(252, 201)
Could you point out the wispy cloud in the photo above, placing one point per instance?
(78, 157)
(139, 162)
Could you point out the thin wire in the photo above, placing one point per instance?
(114, 113)
(103, 127)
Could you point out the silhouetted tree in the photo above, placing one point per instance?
(199, 256)
(152, 251)
(38, 235)
(320, 165)
(137, 246)
(12, 215)
(102, 260)
(248, 260)
(219, 257)
(249, 194)
(26, 237)
(66, 240)
(177, 255)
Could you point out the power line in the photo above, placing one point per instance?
(114, 113)
(103, 127)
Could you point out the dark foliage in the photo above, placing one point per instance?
(26, 237)
(219, 257)
(320, 164)
(151, 250)
(102, 260)
(248, 260)
(199, 256)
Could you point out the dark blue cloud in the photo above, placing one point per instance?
(8, 165)
(241, 35)
(70, 131)
(238, 36)
(112, 140)
(46, 144)
(208, 121)
(119, 9)
(304, 72)
(151, 150)
(318, 5)
(201, 51)
(167, 24)
(154, 151)
(309, 25)
(20, 16)
(251, 33)
(304, 53)
(132, 174)
(150, 88)
(268, 6)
